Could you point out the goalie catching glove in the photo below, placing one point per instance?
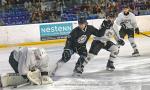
(37, 78)
(121, 42)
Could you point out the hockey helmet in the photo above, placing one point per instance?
(110, 14)
(40, 53)
(82, 20)
(126, 9)
(126, 6)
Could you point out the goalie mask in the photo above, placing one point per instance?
(40, 53)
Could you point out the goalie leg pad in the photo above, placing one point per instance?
(12, 79)
(46, 80)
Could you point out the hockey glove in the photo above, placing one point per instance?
(46, 80)
(106, 24)
(34, 77)
(121, 42)
(123, 25)
(67, 54)
(137, 31)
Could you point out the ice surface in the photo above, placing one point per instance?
(132, 73)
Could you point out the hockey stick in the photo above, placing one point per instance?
(116, 34)
(144, 34)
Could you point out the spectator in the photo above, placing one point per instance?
(53, 17)
(3, 2)
(26, 4)
(96, 9)
(102, 14)
(62, 8)
(37, 17)
(43, 5)
(85, 12)
(17, 1)
(2, 23)
(147, 12)
(29, 6)
(58, 8)
(136, 11)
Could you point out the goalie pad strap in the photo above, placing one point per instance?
(44, 73)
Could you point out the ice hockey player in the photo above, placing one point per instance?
(104, 42)
(127, 21)
(30, 63)
(76, 43)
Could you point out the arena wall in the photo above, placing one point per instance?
(30, 34)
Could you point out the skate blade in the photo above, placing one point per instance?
(136, 55)
(76, 74)
(110, 69)
(21, 85)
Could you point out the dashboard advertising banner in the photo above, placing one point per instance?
(55, 31)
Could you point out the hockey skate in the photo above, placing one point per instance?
(77, 71)
(110, 66)
(12, 79)
(135, 53)
(58, 65)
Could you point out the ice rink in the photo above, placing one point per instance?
(132, 73)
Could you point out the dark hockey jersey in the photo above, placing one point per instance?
(78, 37)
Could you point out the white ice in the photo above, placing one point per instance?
(132, 73)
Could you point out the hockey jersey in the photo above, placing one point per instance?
(108, 32)
(78, 37)
(129, 20)
(27, 60)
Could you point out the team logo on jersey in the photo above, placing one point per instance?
(82, 39)
(109, 33)
(127, 20)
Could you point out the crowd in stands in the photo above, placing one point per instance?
(16, 12)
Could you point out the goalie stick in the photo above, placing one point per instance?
(21, 85)
(144, 34)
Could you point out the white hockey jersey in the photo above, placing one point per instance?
(27, 60)
(108, 34)
(129, 20)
